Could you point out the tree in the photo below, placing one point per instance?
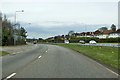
(6, 31)
(5, 36)
(70, 33)
(102, 29)
(40, 39)
(113, 27)
(23, 32)
(118, 30)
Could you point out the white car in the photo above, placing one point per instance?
(82, 42)
(66, 42)
(92, 42)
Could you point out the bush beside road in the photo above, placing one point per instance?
(107, 55)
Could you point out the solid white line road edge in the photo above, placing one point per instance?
(113, 72)
(107, 69)
(39, 57)
(13, 74)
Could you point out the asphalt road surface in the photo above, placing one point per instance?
(51, 61)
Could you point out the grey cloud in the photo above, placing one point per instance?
(9, 15)
(53, 31)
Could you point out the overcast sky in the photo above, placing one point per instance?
(56, 17)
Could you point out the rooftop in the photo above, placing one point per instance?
(107, 31)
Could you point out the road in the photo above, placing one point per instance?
(51, 61)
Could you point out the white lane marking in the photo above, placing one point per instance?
(13, 74)
(18, 52)
(39, 57)
(46, 51)
(13, 53)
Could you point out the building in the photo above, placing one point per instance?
(77, 35)
(97, 33)
(89, 34)
(115, 34)
(105, 34)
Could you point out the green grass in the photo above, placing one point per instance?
(3, 53)
(107, 55)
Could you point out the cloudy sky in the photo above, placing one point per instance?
(56, 17)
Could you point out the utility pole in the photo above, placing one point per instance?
(85, 34)
(0, 28)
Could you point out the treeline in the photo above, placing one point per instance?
(12, 34)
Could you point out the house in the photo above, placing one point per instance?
(77, 34)
(62, 37)
(115, 34)
(83, 34)
(105, 34)
(89, 34)
(97, 33)
(67, 37)
(51, 38)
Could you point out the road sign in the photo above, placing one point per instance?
(25, 40)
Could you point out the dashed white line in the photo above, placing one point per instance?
(13, 74)
(18, 52)
(39, 57)
(14, 53)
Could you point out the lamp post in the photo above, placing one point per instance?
(15, 14)
(15, 24)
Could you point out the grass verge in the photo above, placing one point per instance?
(2, 53)
(107, 55)
(14, 45)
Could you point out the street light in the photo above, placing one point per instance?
(15, 14)
(15, 24)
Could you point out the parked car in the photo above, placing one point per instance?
(82, 42)
(34, 42)
(66, 41)
(92, 42)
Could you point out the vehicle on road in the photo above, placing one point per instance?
(82, 42)
(92, 42)
(66, 41)
(34, 42)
